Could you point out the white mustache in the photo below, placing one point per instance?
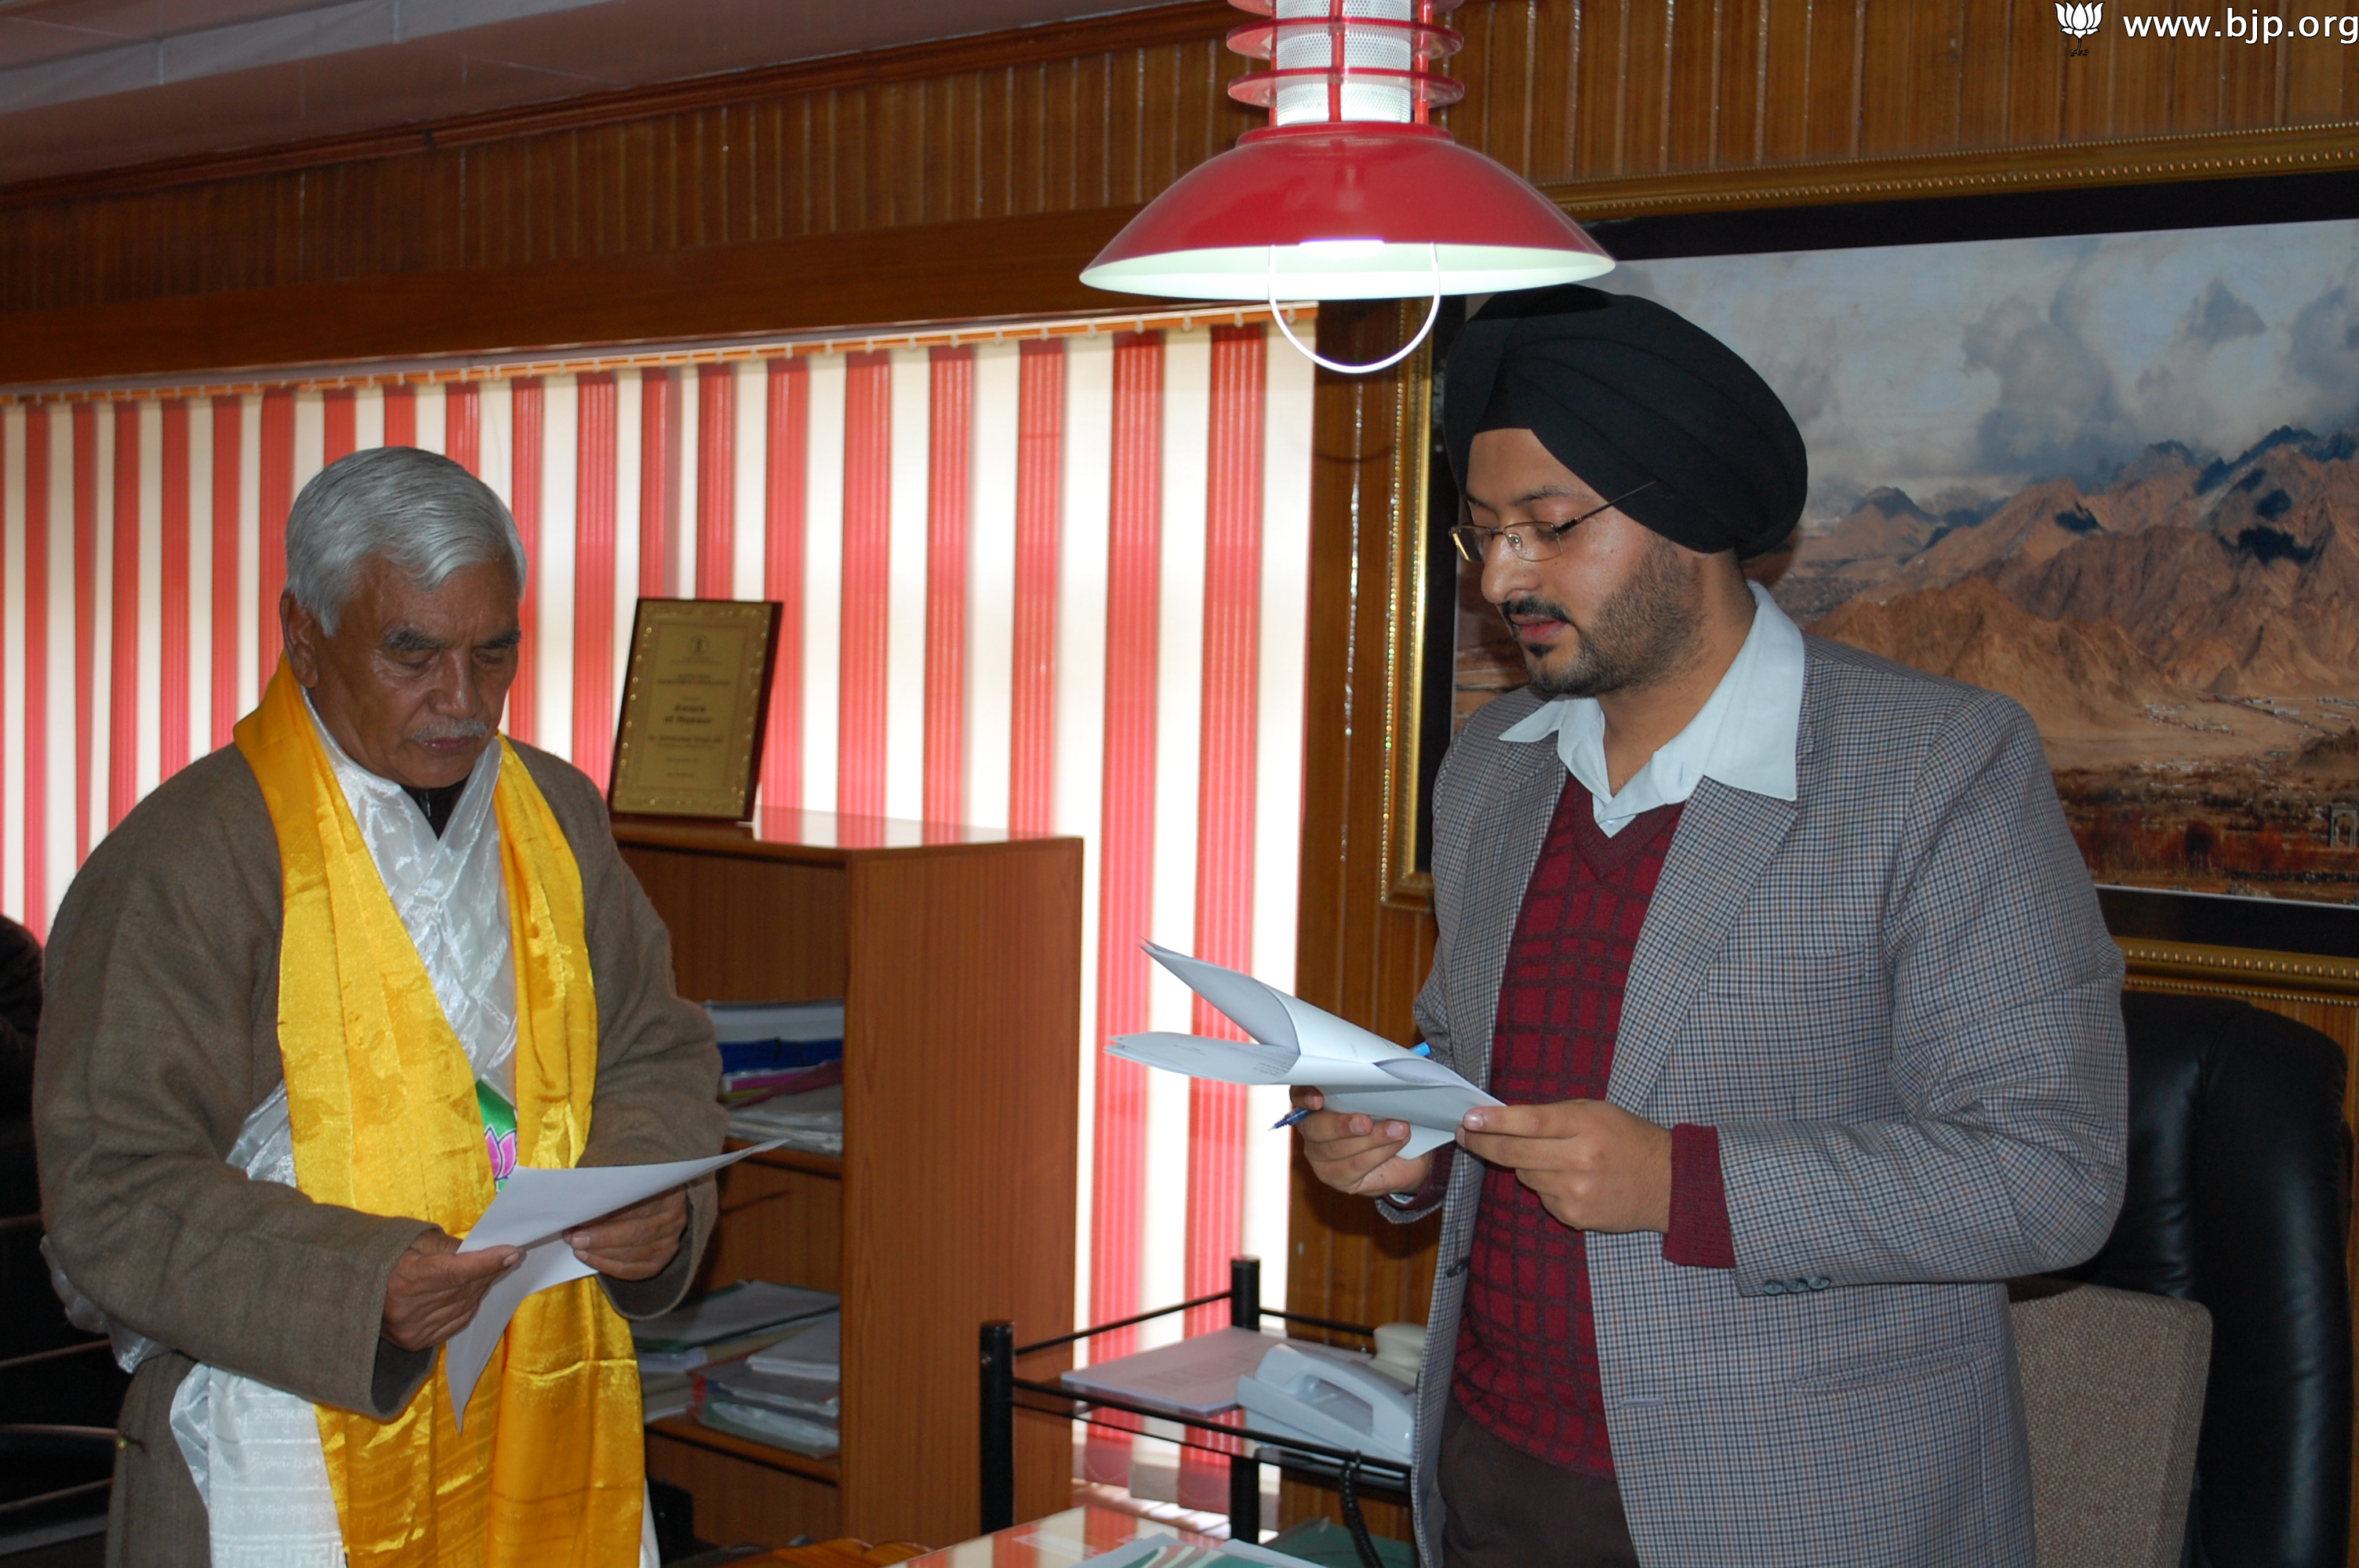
(456, 730)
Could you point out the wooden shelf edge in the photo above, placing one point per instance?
(684, 1429)
(789, 1158)
(742, 842)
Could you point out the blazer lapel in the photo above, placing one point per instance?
(1725, 840)
(1505, 843)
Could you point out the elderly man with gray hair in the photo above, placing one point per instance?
(310, 1004)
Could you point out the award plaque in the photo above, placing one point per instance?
(689, 740)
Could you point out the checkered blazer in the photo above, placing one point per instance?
(1896, 1000)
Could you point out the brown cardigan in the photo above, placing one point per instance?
(162, 1035)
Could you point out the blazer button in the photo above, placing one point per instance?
(1819, 1282)
(1773, 1288)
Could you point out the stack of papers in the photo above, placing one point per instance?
(813, 1350)
(787, 1394)
(812, 1123)
(664, 1394)
(726, 1323)
(772, 1428)
(1295, 1042)
(1196, 1376)
(532, 1212)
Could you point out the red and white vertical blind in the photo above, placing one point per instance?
(1055, 585)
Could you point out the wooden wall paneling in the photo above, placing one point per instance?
(1496, 66)
(1783, 63)
(1692, 101)
(567, 217)
(886, 153)
(1927, 36)
(1831, 100)
(1554, 78)
(1593, 94)
(2142, 101)
(996, 267)
(2314, 71)
(1983, 38)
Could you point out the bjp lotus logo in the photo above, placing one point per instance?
(2080, 21)
(502, 1147)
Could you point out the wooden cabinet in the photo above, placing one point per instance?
(957, 951)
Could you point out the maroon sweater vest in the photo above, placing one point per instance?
(1526, 1358)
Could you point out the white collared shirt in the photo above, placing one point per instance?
(1745, 736)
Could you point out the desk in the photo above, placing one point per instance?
(1057, 1542)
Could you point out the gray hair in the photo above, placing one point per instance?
(420, 510)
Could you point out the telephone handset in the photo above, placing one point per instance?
(1332, 1400)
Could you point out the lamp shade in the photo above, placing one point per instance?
(1351, 210)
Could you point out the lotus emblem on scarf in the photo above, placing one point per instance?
(2079, 20)
(502, 1147)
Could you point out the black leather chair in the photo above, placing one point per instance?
(2239, 1198)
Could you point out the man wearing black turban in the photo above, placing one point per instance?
(1787, 969)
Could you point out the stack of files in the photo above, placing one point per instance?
(812, 1122)
(787, 1395)
(777, 1036)
(729, 1322)
(664, 1394)
(761, 1083)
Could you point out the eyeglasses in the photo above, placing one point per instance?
(1528, 541)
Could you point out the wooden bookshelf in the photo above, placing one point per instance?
(957, 951)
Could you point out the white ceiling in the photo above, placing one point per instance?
(91, 84)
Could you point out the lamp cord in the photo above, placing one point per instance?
(1432, 314)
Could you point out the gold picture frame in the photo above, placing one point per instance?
(696, 702)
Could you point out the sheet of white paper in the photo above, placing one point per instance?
(1258, 1009)
(1224, 1061)
(1274, 1018)
(1295, 1042)
(533, 1211)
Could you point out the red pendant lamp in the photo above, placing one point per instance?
(1350, 193)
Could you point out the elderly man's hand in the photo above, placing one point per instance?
(1357, 1153)
(436, 1289)
(633, 1243)
(1595, 1166)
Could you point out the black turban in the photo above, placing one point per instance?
(1622, 390)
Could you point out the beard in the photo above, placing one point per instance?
(1646, 631)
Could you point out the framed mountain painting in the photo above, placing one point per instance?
(2112, 475)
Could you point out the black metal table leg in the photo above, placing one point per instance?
(1245, 1498)
(998, 1449)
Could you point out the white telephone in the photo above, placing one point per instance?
(1337, 1401)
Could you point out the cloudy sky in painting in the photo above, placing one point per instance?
(1958, 371)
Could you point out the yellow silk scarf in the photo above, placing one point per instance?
(548, 1469)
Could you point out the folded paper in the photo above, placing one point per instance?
(1297, 1043)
